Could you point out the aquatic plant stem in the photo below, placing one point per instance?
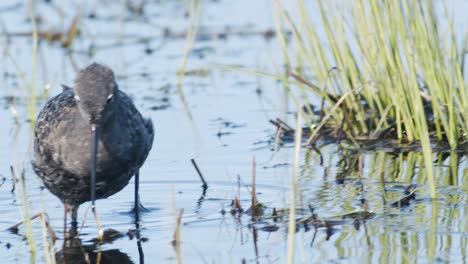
(328, 116)
(205, 185)
(49, 251)
(27, 219)
(194, 14)
(32, 101)
(254, 191)
(292, 199)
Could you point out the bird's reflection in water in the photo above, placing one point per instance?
(74, 251)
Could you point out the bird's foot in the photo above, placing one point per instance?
(139, 208)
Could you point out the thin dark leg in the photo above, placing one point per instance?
(74, 210)
(73, 230)
(137, 217)
(65, 214)
(94, 149)
(74, 223)
(137, 197)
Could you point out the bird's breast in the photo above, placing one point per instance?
(74, 150)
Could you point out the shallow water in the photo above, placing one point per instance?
(223, 125)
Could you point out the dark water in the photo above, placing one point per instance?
(223, 125)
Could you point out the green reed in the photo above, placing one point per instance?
(394, 62)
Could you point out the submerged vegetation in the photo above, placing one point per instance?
(386, 71)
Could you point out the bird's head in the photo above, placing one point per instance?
(95, 92)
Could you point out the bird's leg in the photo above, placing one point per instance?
(65, 214)
(137, 197)
(74, 223)
(94, 149)
(138, 207)
(137, 217)
(73, 230)
(74, 211)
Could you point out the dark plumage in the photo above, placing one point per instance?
(63, 137)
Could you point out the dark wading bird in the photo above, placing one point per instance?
(89, 141)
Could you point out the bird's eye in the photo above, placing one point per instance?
(77, 98)
(110, 97)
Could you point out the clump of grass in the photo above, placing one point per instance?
(382, 66)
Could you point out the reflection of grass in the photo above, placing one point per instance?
(399, 72)
(178, 218)
(349, 201)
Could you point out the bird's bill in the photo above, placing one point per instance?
(94, 149)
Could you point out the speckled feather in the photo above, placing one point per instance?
(62, 148)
